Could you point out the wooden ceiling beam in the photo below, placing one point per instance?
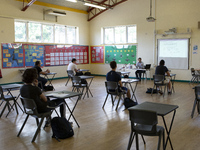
(28, 5)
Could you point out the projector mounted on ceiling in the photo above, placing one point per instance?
(171, 31)
(150, 18)
(55, 13)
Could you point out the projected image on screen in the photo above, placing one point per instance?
(174, 52)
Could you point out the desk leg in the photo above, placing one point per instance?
(133, 90)
(50, 80)
(168, 131)
(71, 111)
(88, 89)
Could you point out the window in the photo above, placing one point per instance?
(45, 33)
(35, 32)
(20, 31)
(120, 34)
(48, 34)
(59, 34)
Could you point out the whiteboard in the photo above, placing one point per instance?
(175, 52)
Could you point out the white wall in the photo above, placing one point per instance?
(11, 9)
(181, 14)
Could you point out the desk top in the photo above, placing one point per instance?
(126, 80)
(51, 73)
(62, 94)
(83, 69)
(86, 77)
(139, 69)
(161, 109)
(124, 72)
(11, 86)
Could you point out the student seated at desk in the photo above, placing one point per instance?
(31, 90)
(72, 66)
(115, 77)
(39, 71)
(139, 65)
(161, 70)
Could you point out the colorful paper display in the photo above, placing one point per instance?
(97, 54)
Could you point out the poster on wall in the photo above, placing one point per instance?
(56, 55)
(122, 54)
(12, 55)
(33, 53)
(97, 54)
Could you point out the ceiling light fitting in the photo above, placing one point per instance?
(74, 1)
(150, 18)
(96, 6)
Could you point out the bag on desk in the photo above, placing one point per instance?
(48, 88)
(129, 103)
(126, 76)
(87, 73)
(61, 128)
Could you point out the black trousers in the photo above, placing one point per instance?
(138, 73)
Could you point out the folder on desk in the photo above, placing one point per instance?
(59, 95)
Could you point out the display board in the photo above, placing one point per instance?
(33, 53)
(62, 54)
(175, 52)
(12, 55)
(97, 54)
(122, 54)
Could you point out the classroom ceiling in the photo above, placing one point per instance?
(92, 12)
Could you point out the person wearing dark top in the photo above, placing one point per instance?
(163, 70)
(115, 77)
(31, 90)
(39, 71)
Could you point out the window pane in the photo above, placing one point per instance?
(20, 31)
(109, 36)
(120, 34)
(60, 34)
(34, 32)
(47, 34)
(71, 35)
(132, 35)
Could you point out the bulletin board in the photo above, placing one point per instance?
(97, 54)
(56, 55)
(12, 55)
(33, 53)
(122, 54)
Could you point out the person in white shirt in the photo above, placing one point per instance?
(139, 65)
(72, 66)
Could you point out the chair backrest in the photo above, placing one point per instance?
(197, 92)
(70, 73)
(76, 80)
(158, 78)
(112, 87)
(147, 67)
(143, 121)
(192, 71)
(29, 105)
(1, 93)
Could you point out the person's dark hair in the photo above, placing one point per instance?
(37, 62)
(29, 75)
(113, 64)
(73, 59)
(140, 58)
(162, 62)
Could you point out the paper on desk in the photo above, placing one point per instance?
(59, 95)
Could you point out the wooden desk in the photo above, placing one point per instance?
(162, 110)
(65, 95)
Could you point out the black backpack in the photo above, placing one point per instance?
(48, 88)
(149, 90)
(61, 128)
(129, 103)
(87, 73)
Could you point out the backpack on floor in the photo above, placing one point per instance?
(87, 73)
(149, 90)
(129, 103)
(48, 88)
(61, 128)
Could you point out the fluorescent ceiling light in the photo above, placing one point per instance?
(96, 6)
(74, 1)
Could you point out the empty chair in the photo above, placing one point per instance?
(195, 76)
(30, 109)
(159, 81)
(7, 99)
(77, 85)
(70, 74)
(112, 89)
(196, 100)
(145, 122)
